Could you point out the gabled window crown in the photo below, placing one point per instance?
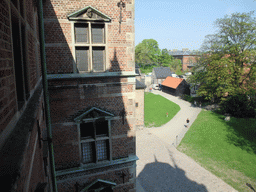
(89, 13)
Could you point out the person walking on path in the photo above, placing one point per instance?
(187, 122)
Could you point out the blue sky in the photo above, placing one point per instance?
(177, 24)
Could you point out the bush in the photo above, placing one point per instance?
(197, 99)
(240, 106)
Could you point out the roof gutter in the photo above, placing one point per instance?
(46, 94)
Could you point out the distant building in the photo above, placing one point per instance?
(159, 74)
(187, 58)
(175, 86)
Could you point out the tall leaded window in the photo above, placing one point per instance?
(95, 135)
(89, 39)
(90, 46)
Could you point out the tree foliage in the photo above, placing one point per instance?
(147, 52)
(165, 59)
(227, 66)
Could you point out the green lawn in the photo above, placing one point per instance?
(227, 149)
(155, 110)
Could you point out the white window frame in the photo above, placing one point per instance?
(90, 45)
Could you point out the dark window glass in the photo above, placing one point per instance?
(97, 33)
(86, 130)
(17, 52)
(98, 58)
(102, 150)
(88, 154)
(101, 128)
(82, 59)
(81, 33)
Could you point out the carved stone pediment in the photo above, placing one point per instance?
(94, 113)
(89, 13)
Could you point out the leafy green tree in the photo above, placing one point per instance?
(176, 66)
(165, 59)
(228, 65)
(147, 52)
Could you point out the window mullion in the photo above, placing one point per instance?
(90, 47)
(110, 140)
(95, 142)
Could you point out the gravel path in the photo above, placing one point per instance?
(163, 168)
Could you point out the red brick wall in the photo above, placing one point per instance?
(123, 185)
(8, 105)
(8, 100)
(66, 146)
(122, 147)
(69, 97)
(139, 111)
(7, 87)
(58, 30)
(188, 60)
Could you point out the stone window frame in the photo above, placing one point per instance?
(90, 45)
(80, 120)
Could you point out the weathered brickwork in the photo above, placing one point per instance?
(22, 166)
(123, 183)
(56, 32)
(73, 96)
(120, 38)
(139, 111)
(187, 62)
(7, 105)
(122, 147)
(59, 60)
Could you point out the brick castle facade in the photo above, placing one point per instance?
(89, 51)
(91, 74)
(24, 154)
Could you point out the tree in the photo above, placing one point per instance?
(165, 59)
(147, 52)
(228, 65)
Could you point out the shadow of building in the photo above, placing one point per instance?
(158, 176)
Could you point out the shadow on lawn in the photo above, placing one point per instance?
(241, 132)
(159, 176)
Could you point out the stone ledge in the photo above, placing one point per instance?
(14, 149)
(90, 75)
(78, 171)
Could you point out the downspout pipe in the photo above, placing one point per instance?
(46, 93)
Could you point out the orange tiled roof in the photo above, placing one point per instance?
(172, 82)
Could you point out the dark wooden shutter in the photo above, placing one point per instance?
(97, 33)
(98, 58)
(82, 58)
(81, 32)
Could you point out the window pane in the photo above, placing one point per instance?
(102, 150)
(86, 130)
(81, 32)
(101, 128)
(98, 58)
(82, 58)
(87, 152)
(97, 33)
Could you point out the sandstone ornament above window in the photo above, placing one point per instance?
(89, 13)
